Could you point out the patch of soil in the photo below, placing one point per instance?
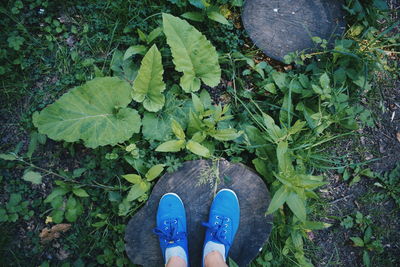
(385, 137)
(381, 146)
(334, 245)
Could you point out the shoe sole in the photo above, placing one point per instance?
(173, 194)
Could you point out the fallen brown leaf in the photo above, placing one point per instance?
(398, 136)
(54, 232)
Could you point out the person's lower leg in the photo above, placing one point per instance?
(214, 259)
(176, 261)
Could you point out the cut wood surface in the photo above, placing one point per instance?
(195, 183)
(279, 27)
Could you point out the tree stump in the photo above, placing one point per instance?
(279, 27)
(196, 182)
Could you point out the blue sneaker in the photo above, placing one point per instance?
(171, 227)
(223, 223)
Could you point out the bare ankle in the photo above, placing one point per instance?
(214, 259)
(176, 261)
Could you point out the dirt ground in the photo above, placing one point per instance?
(381, 146)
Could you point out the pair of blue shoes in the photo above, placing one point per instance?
(221, 227)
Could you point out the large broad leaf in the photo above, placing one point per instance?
(148, 85)
(152, 121)
(126, 69)
(95, 112)
(174, 108)
(192, 54)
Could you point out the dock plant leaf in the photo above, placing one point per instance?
(149, 85)
(192, 54)
(95, 112)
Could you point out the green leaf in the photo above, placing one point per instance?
(8, 156)
(198, 149)
(237, 3)
(171, 146)
(57, 215)
(297, 127)
(197, 104)
(270, 87)
(125, 69)
(33, 177)
(202, 4)
(71, 214)
(154, 34)
(177, 129)
(199, 137)
(134, 50)
(3, 215)
(157, 121)
(368, 234)
(73, 209)
(226, 134)
(99, 224)
(195, 124)
(285, 114)
(295, 86)
(154, 172)
(149, 85)
(58, 191)
(205, 99)
(380, 4)
(263, 169)
(232, 263)
(173, 109)
(14, 200)
(311, 225)
(273, 130)
(280, 80)
(368, 173)
(78, 172)
(312, 183)
(114, 196)
(278, 199)
(142, 35)
(192, 54)
(284, 162)
(218, 17)
(95, 112)
(358, 242)
(136, 191)
(124, 207)
(366, 259)
(339, 76)
(324, 81)
(80, 192)
(132, 178)
(297, 239)
(32, 144)
(296, 204)
(195, 16)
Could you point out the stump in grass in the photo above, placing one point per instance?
(279, 27)
(196, 182)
